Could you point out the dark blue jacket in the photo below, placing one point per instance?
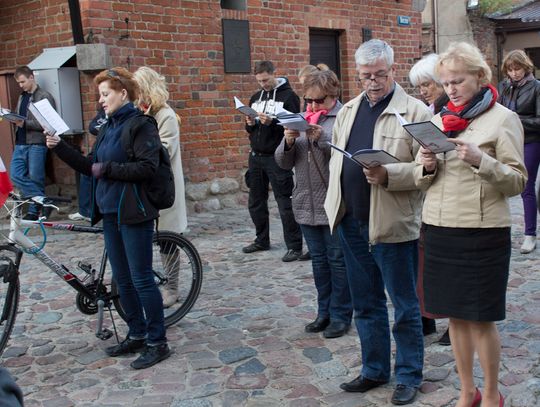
(133, 205)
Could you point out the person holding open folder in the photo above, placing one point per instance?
(309, 154)
(466, 216)
(376, 212)
(28, 162)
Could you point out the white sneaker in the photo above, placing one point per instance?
(78, 216)
(170, 297)
(529, 244)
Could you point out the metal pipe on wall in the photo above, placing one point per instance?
(76, 21)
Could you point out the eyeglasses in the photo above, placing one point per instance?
(319, 101)
(115, 75)
(378, 78)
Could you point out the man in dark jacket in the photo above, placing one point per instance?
(28, 161)
(264, 136)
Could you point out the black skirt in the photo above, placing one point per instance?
(466, 272)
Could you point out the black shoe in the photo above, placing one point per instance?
(360, 385)
(31, 216)
(318, 325)
(336, 329)
(254, 247)
(151, 355)
(403, 395)
(126, 347)
(428, 326)
(445, 339)
(305, 256)
(291, 255)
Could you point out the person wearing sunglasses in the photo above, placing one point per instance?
(125, 159)
(309, 154)
(376, 213)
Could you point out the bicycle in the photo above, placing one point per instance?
(172, 252)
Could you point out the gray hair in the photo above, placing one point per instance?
(372, 51)
(424, 70)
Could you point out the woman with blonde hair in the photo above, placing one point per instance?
(124, 160)
(153, 98)
(466, 216)
(520, 92)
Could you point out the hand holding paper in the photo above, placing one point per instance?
(47, 117)
(248, 111)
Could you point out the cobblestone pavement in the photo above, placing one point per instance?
(243, 344)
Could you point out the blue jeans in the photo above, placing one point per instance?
(129, 248)
(370, 270)
(329, 273)
(28, 171)
(85, 195)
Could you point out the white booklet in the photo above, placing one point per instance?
(292, 121)
(427, 135)
(368, 158)
(47, 117)
(248, 111)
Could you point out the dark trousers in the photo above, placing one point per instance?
(130, 253)
(261, 171)
(85, 195)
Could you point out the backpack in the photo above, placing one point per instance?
(160, 189)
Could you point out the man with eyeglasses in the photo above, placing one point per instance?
(377, 215)
(265, 135)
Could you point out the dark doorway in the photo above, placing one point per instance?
(534, 54)
(324, 47)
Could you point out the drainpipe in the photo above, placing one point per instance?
(435, 19)
(76, 21)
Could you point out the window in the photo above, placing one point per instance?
(233, 4)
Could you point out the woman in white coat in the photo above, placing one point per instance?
(153, 101)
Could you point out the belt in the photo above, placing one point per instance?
(256, 154)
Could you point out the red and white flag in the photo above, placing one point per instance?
(5, 183)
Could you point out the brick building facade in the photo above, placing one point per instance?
(183, 40)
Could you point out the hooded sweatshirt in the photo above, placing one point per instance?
(265, 139)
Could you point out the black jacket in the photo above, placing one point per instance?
(265, 139)
(527, 105)
(134, 206)
(34, 131)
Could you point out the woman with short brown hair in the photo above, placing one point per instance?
(520, 92)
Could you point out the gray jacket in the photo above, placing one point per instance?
(310, 190)
(34, 131)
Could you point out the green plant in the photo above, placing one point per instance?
(494, 6)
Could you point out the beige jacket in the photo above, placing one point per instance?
(459, 195)
(395, 209)
(175, 217)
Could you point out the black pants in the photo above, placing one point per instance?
(261, 170)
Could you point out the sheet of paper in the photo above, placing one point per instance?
(429, 136)
(368, 158)
(248, 111)
(293, 121)
(374, 158)
(49, 119)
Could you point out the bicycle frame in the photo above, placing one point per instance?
(18, 238)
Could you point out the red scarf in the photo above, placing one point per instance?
(457, 118)
(313, 117)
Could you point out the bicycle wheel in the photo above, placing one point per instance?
(175, 263)
(10, 258)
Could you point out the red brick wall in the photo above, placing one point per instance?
(182, 39)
